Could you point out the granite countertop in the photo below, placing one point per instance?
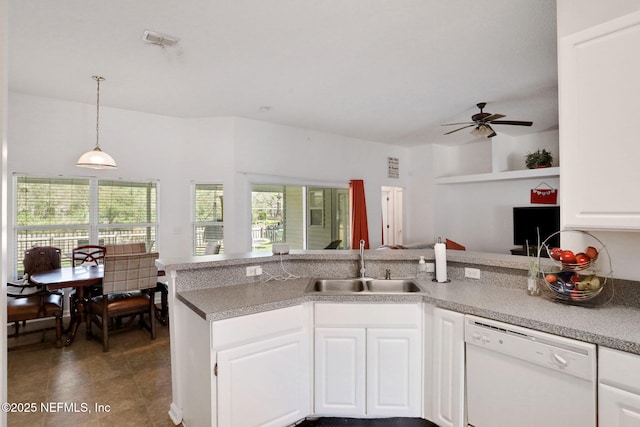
(609, 325)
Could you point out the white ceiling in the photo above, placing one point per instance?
(383, 70)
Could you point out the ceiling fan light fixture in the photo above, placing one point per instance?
(482, 123)
(96, 158)
(483, 130)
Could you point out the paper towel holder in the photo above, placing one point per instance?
(435, 269)
(436, 280)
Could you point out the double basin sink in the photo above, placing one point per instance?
(363, 285)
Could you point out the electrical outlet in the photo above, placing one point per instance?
(472, 273)
(254, 270)
(431, 267)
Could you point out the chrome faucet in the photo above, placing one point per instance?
(362, 267)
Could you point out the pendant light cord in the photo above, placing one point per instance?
(98, 79)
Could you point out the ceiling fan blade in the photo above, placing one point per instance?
(464, 127)
(493, 117)
(463, 123)
(511, 122)
(493, 132)
(478, 117)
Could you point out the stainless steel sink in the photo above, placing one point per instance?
(337, 285)
(393, 285)
(365, 285)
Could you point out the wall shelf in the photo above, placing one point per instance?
(553, 172)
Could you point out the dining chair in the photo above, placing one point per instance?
(334, 244)
(26, 301)
(128, 290)
(87, 254)
(40, 259)
(162, 313)
(126, 248)
(81, 256)
(212, 248)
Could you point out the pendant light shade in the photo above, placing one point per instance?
(96, 158)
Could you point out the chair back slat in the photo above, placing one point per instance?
(40, 259)
(124, 273)
(92, 254)
(126, 248)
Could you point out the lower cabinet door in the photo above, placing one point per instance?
(448, 368)
(266, 383)
(394, 372)
(618, 408)
(340, 369)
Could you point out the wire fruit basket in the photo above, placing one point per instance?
(572, 276)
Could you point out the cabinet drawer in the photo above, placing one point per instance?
(619, 369)
(238, 330)
(367, 314)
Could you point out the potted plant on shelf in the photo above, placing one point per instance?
(539, 159)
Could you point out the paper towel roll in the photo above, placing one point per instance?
(441, 262)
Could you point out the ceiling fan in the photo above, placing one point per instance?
(483, 121)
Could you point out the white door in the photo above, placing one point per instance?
(448, 368)
(618, 408)
(392, 214)
(266, 383)
(340, 371)
(394, 372)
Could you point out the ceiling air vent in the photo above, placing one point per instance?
(159, 39)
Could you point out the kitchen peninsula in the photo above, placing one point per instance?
(221, 319)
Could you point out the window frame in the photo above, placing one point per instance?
(262, 185)
(195, 248)
(92, 227)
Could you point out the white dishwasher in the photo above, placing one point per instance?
(521, 377)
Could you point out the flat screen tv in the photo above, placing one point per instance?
(527, 220)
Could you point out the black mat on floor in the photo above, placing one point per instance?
(367, 422)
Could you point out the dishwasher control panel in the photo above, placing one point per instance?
(562, 354)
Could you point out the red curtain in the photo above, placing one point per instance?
(359, 228)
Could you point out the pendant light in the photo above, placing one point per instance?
(96, 158)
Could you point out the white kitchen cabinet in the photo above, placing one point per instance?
(598, 93)
(618, 388)
(252, 370)
(263, 383)
(340, 371)
(368, 359)
(393, 371)
(445, 404)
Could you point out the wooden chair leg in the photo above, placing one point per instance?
(152, 315)
(105, 326)
(88, 323)
(59, 331)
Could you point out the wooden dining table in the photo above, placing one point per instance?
(80, 278)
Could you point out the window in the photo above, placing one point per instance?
(316, 207)
(69, 212)
(208, 223)
(303, 217)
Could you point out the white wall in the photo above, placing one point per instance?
(480, 215)
(420, 201)
(270, 153)
(3, 199)
(46, 137)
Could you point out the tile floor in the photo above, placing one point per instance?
(133, 378)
